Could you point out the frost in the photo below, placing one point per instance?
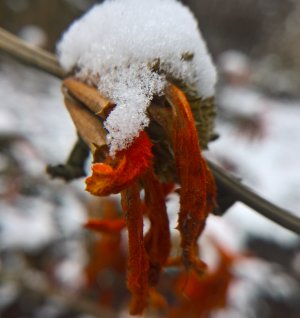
(117, 44)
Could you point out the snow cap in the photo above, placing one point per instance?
(116, 44)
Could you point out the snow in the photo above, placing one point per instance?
(33, 112)
(34, 108)
(263, 276)
(233, 62)
(243, 101)
(25, 228)
(118, 46)
(33, 35)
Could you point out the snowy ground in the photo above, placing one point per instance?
(32, 108)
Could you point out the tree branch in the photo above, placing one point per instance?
(47, 62)
(28, 54)
(243, 194)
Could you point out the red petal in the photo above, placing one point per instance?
(138, 262)
(105, 226)
(157, 240)
(193, 176)
(130, 164)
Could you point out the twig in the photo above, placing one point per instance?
(47, 62)
(28, 54)
(243, 194)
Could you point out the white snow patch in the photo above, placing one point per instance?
(234, 62)
(34, 35)
(114, 44)
(32, 107)
(70, 271)
(243, 101)
(25, 228)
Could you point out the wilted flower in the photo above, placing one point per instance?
(128, 83)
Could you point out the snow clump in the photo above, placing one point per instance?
(116, 44)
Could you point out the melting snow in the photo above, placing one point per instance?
(117, 44)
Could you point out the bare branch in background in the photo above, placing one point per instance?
(243, 194)
(47, 62)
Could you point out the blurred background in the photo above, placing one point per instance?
(50, 267)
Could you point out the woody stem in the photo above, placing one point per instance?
(243, 194)
(22, 51)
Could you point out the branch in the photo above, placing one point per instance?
(47, 62)
(28, 54)
(243, 194)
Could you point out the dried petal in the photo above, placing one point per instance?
(138, 262)
(89, 96)
(157, 240)
(193, 176)
(207, 293)
(116, 174)
(87, 124)
(105, 226)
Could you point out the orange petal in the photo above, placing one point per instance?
(138, 262)
(130, 164)
(193, 176)
(105, 226)
(157, 240)
(157, 300)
